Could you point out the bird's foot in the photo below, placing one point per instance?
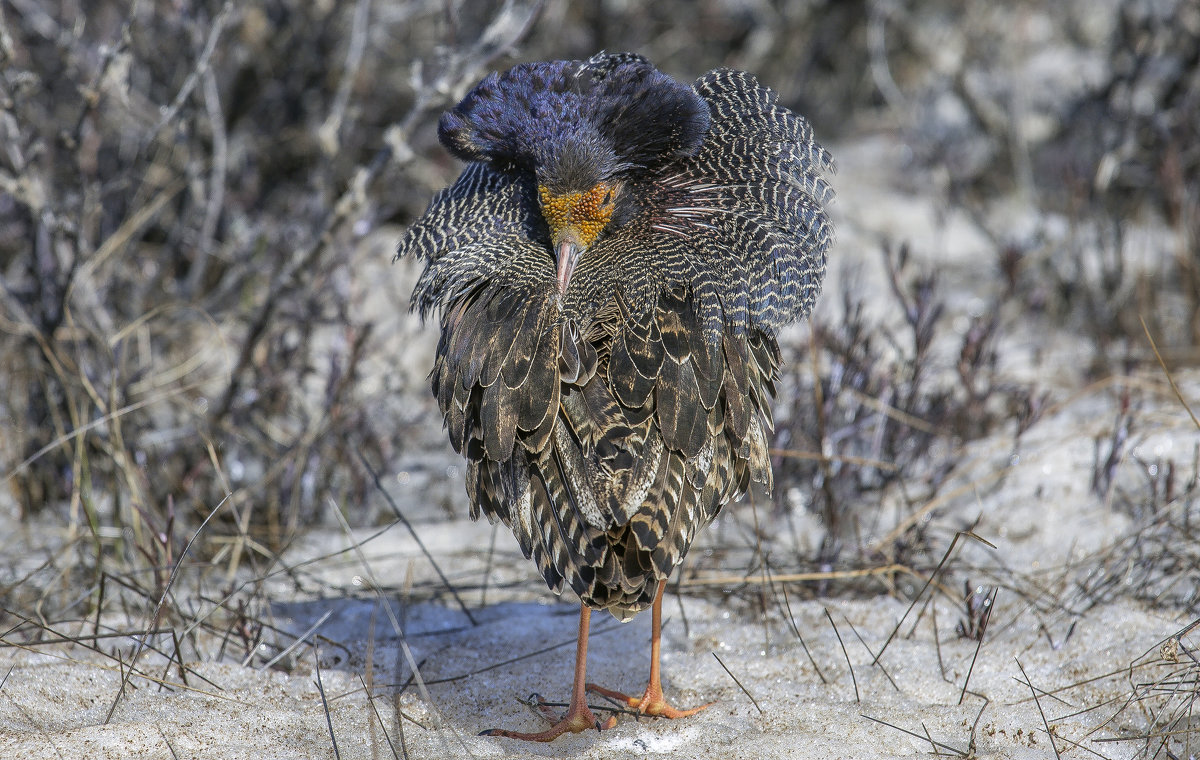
(579, 718)
(650, 703)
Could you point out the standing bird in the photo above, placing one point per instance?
(612, 268)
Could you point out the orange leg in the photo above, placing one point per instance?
(651, 702)
(579, 717)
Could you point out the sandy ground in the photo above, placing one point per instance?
(803, 697)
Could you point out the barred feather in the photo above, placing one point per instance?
(608, 424)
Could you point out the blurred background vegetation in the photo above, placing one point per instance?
(199, 201)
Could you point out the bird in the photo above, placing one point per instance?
(611, 271)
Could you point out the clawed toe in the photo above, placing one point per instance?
(578, 718)
(650, 703)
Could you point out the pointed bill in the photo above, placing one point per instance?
(567, 255)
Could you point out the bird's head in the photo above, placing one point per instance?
(586, 132)
(575, 221)
(579, 190)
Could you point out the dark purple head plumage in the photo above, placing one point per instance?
(577, 123)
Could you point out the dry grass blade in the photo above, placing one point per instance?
(167, 742)
(991, 605)
(300, 640)
(1164, 693)
(528, 655)
(158, 608)
(796, 631)
(81, 430)
(739, 683)
(815, 456)
(874, 658)
(377, 587)
(750, 579)
(124, 671)
(379, 720)
(845, 654)
(925, 736)
(325, 702)
(1085, 748)
(1038, 702)
(1170, 379)
(416, 537)
(928, 582)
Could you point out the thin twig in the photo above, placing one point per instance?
(936, 750)
(216, 184)
(328, 132)
(189, 84)
(120, 668)
(937, 644)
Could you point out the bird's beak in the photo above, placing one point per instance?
(568, 255)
